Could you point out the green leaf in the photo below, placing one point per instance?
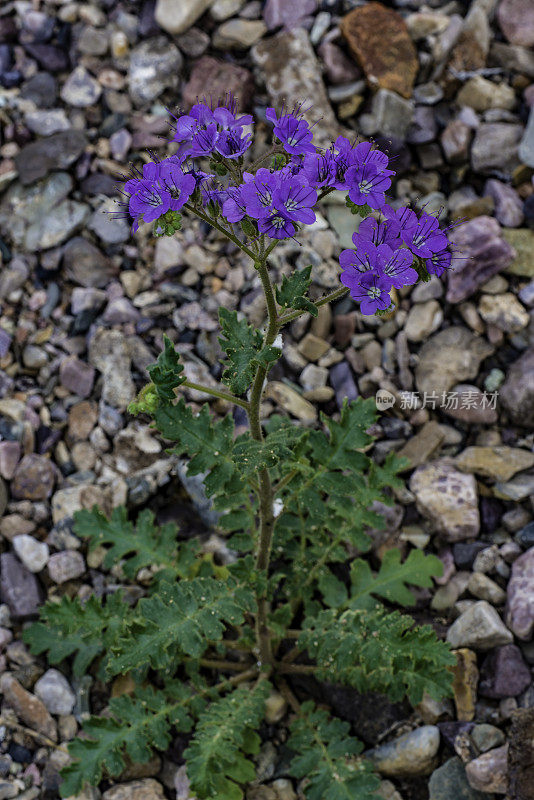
(225, 734)
(166, 373)
(72, 627)
(135, 547)
(327, 757)
(243, 345)
(390, 582)
(180, 620)
(292, 292)
(361, 211)
(135, 725)
(379, 651)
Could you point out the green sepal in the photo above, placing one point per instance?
(249, 227)
(146, 401)
(168, 224)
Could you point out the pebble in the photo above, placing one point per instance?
(448, 499)
(480, 94)
(55, 692)
(465, 684)
(520, 604)
(109, 353)
(238, 34)
(275, 708)
(423, 319)
(176, 16)
(55, 152)
(409, 755)
(19, 588)
(66, 566)
(76, 376)
(504, 673)
(80, 89)
(499, 463)
(30, 710)
(449, 782)
(156, 64)
(485, 737)
(479, 627)
(495, 148)
(517, 391)
(516, 20)
(486, 589)
(508, 205)
(504, 311)
(34, 478)
(33, 553)
(147, 789)
(450, 356)
(291, 401)
(488, 772)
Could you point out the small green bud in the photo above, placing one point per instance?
(146, 401)
(249, 227)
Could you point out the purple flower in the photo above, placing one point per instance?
(294, 133)
(231, 144)
(319, 169)
(367, 185)
(385, 231)
(227, 120)
(276, 225)
(295, 198)
(439, 262)
(395, 267)
(148, 202)
(180, 185)
(370, 290)
(257, 192)
(203, 141)
(233, 207)
(363, 259)
(425, 237)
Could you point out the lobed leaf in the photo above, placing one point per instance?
(166, 373)
(292, 291)
(390, 581)
(244, 348)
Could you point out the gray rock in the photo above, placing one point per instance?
(489, 772)
(22, 205)
(76, 376)
(485, 736)
(504, 673)
(147, 789)
(292, 74)
(47, 122)
(56, 152)
(34, 478)
(450, 356)
(19, 588)
(57, 226)
(80, 89)
(55, 692)
(86, 265)
(520, 604)
(412, 754)
(479, 628)
(517, 392)
(238, 34)
(449, 782)
(66, 566)
(155, 65)
(176, 16)
(508, 205)
(109, 229)
(448, 499)
(109, 353)
(526, 147)
(390, 115)
(33, 553)
(495, 149)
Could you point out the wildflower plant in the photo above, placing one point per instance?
(206, 644)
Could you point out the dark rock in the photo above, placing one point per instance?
(58, 151)
(146, 24)
(525, 537)
(491, 511)
(10, 78)
(504, 673)
(85, 264)
(465, 553)
(19, 587)
(517, 392)
(34, 478)
(423, 128)
(449, 782)
(20, 754)
(481, 254)
(98, 183)
(338, 67)
(50, 58)
(214, 78)
(8, 29)
(343, 383)
(451, 730)
(521, 755)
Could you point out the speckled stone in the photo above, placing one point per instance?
(448, 499)
(34, 478)
(520, 603)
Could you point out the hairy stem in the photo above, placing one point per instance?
(216, 393)
(329, 298)
(214, 224)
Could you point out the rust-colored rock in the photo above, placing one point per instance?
(30, 710)
(379, 39)
(465, 683)
(212, 78)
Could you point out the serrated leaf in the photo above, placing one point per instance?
(244, 348)
(136, 546)
(85, 630)
(215, 761)
(166, 373)
(392, 577)
(181, 619)
(135, 725)
(327, 757)
(292, 291)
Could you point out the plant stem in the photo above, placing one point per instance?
(223, 666)
(329, 298)
(282, 483)
(214, 224)
(216, 393)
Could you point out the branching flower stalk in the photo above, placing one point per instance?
(293, 501)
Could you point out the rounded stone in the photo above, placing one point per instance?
(33, 554)
(55, 692)
(34, 478)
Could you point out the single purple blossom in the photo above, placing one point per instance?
(425, 238)
(203, 141)
(257, 192)
(276, 225)
(179, 184)
(364, 259)
(233, 207)
(439, 262)
(294, 133)
(367, 185)
(148, 202)
(295, 198)
(370, 290)
(319, 169)
(385, 231)
(395, 267)
(231, 144)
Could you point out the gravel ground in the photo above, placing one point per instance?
(448, 89)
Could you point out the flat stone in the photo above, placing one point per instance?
(484, 588)
(482, 253)
(450, 356)
(30, 710)
(76, 376)
(471, 405)
(423, 319)
(279, 13)
(80, 89)
(85, 264)
(465, 683)
(519, 488)
(390, 115)
(520, 604)
(155, 64)
(34, 478)
(9, 458)
(147, 789)
(214, 78)
(508, 205)
(56, 152)
(45, 122)
(291, 401)
(485, 737)
(176, 16)
(380, 41)
(109, 229)
(343, 383)
(499, 463)
(521, 755)
(57, 226)
(504, 673)
(82, 419)
(19, 588)
(109, 353)
(22, 205)
(504, 311)
(479, 628)
(488, 772)
(238, 34)
(419, 448)
(66, 566)
(522, 241)
(33, 553)
(495, 149)
(448, 499)
(481, 94)
(409, 755)
(55, 692)
(517, 392)
(292, 74)
(449, 782)
(516, 20)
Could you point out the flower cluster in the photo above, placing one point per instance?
(392, 247)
